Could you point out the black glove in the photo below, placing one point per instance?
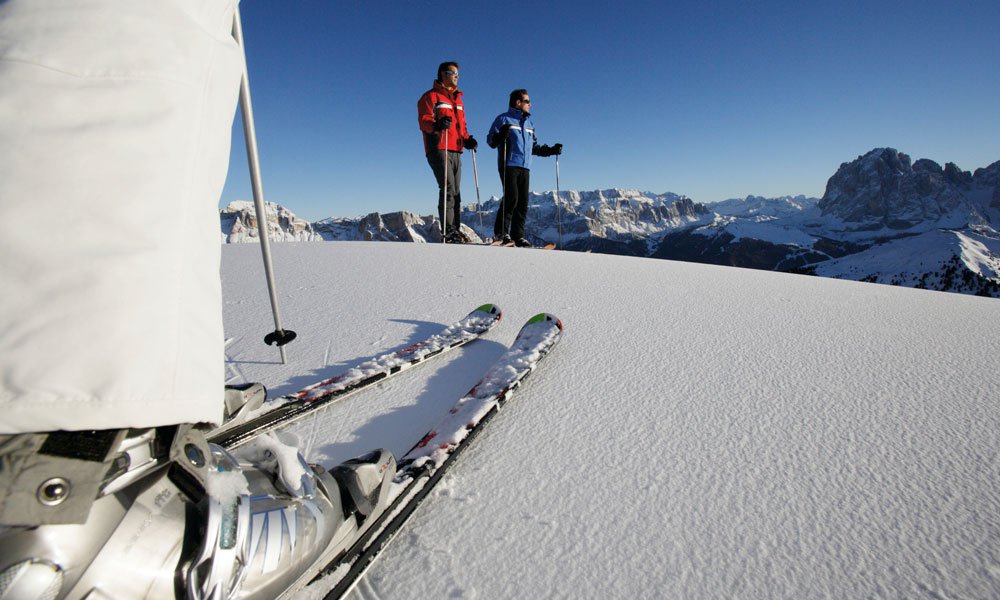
(556, 150)
(442, 124)
(470, 143)
(546, 150)
(502, 134)
(499, 137)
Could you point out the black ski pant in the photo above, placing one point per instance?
(450, 208)
(514, 206)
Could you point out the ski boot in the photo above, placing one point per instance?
(297, 517)
(197, 523)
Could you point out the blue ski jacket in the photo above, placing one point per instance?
(521, 140)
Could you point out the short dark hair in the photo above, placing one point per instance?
(444, 67)
(517, 95)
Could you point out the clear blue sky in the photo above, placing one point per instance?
(710, 99)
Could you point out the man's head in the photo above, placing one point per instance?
(448, 74)
(520, 100)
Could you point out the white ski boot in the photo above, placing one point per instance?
(203, 525)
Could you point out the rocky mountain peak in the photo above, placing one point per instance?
(926, 165)
(956, 176)
(882, 189)
(989, 177)
(239, 223)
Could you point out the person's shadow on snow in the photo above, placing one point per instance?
(400, 428)
(422, 330)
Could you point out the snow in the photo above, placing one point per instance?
(907, 258)
(916, 254)
(699, 431)
(978, 257)
(758, 208)
(767, 231)
(277, 452)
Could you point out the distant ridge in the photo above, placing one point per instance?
(882, 219)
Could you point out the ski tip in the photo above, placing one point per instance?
(542, 317)
(492, 309)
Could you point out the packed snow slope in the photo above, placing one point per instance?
(699, 432)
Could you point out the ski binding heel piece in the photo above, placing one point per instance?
(364, 481)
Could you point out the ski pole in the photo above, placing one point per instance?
(444, 193)
(280, 335)
(503, 190)
(558, 207)
(479, 205)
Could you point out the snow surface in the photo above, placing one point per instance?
(699, 431)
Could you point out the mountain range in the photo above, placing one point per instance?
(882, 219)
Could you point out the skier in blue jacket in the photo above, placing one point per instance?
(513, 135)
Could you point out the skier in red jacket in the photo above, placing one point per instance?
(441, 115)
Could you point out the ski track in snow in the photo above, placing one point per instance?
(699, 431)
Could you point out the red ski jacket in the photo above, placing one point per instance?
(440, 102)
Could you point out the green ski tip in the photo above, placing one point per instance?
(544, 317)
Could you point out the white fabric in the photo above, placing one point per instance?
(115, 121)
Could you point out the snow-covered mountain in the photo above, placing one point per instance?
(613, 221)
(239, 224)
(942, 259)
(882, 218)
(881, 191)
(758, 209)
(400, 226)
(918, 225)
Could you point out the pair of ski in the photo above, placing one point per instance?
(290, 408)
(420, 469)
(423, 466)
(513, 245)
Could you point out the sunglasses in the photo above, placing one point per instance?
(455, 73)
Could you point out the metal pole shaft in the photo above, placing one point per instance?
(479, 204)
(253, 158)
(444, 193)
(503, 191)
(558, 207)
